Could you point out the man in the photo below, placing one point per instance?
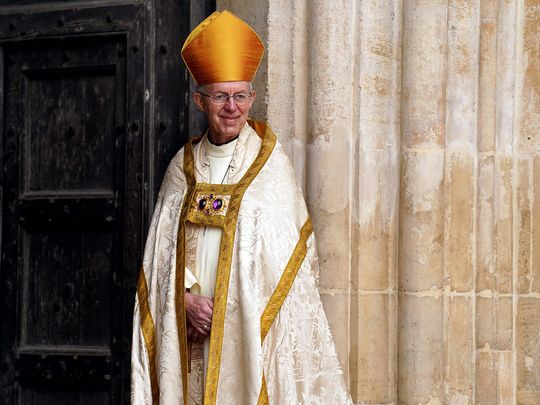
(227, 308)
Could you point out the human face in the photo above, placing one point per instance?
(225, 121)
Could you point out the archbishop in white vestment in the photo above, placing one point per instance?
(231, 224)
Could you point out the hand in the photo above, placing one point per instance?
(199, 311)
(194, 336)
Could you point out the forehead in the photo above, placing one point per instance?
(227, 87)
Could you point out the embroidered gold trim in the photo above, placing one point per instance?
(224, 263)
(215, 188)
(149, 334)
(285, 282)
(181, 266)
(214, 217)
(225, 256)
(209, 220)
(263, 395)
(282, 290)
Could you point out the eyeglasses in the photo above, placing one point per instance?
(238, 98)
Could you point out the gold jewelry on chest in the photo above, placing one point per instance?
(210, 204)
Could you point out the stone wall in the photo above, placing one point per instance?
(414, 129)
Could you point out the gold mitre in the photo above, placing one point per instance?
(223, 48)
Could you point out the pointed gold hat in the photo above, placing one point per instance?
(223, 48)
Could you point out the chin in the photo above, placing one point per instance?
(231, 131)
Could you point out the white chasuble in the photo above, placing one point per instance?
(217, 163)
(202, 278)
(270, 342)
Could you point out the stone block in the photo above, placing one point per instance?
(486, 378)
(504, 323)
(487, 86)
(420, 349)
(489, 9)
(485, 276)
(494, 322)
(462, 75)
(528, 134)
(376, 260)
(505, 382)
(460, 350)
(424, 74)
(528, 351)
(485, 322)
(503, 223)
(459, 243)
(333, 245)
(523, 227)
(506, 77)
(494, 383)
(421, 221)
(376, 214)
(535, 264)
(376, 348)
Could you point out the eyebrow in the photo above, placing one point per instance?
(238, 92)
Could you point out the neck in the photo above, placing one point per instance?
(218, 141)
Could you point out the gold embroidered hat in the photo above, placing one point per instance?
(223, 48)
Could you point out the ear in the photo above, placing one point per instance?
(197, 98)
(253, 97)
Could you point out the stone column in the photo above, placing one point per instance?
(421, 233)
(414, 130)
(526, 170)
(460, 180)
(374, 195)
(494, 314)
(332, 90)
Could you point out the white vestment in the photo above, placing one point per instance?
(270, 341)
(202, 280)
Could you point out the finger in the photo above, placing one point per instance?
(210, 303)
(203, 317)
(200, 323)
(208, 320)
(206, 309)
(205, 302)
(204, 329)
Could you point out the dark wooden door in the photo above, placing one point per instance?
(93, 102)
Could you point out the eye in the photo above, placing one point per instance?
(221, 98)
(240, 98)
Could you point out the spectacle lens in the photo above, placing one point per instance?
(239, 98)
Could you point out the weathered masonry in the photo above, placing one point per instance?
(415, 128)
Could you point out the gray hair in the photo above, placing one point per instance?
(202, 87)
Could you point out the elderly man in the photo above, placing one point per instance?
(227, 308)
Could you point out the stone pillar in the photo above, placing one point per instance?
(332, 90)
(526, 169)
(494, 313)
(374, 194)
(345, 152)
(414, 130)
(421, 227)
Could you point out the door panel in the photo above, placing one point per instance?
(94, 104)
(69, 130)
(66, 287)
(59, 104)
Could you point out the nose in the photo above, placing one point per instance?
(230, 105)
